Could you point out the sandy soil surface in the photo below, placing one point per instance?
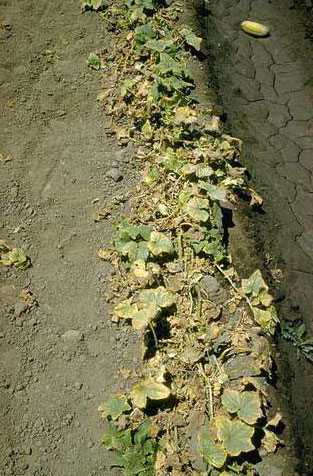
(60, 359)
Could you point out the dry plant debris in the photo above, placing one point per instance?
(28, 297)
(5, 158)
(201, 404)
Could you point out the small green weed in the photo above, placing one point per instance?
(297, 336)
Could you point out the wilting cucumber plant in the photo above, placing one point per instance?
(200, 404)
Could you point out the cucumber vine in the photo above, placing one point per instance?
(200, 404)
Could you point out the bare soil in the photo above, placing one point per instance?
(60, 359)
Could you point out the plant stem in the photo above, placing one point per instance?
(242, 296)
(154, 335)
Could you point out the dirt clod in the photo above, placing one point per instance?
(73, 336)
(114, 174)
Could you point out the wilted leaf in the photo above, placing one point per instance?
(235, 435)
(214, 453)
(139, 269)
(185, 115)
(196, 208)
(160, 296)
(125, 309)
(144, 33)
(189, 169)
(159, 243)
(256, 199)
(147, 130)
(148, 388)
(107, 255)
(154, 268)
(153, 175)
(161, 45)
(215, 249)
(190, 355)
(275, 420)
(247, 405)
(176, 84)
(160, 461)
(171, 161)
(256, 287)
(114, 407)
(115, 439)
(203, 172)
(270, 441)
(142, 317)
(215, 193)
(242, 366)
(94, 4)
(13, 257)
(135, 251)
(127, 86)
(169, 65)
(268, 319)
(191, 39)
(94, 61)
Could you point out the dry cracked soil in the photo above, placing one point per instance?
(266, 88)
(60, 359)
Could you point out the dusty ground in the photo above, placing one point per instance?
(59, 360)
(266, 86)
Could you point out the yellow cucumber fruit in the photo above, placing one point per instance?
(254, 28)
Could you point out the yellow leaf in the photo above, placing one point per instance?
(142, 317)
(148, 388)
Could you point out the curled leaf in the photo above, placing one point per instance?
(148, 388)
(185, 115)
(275, 421)
(214, 192)
(191, 39)
(142, 317)
(270, 441)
